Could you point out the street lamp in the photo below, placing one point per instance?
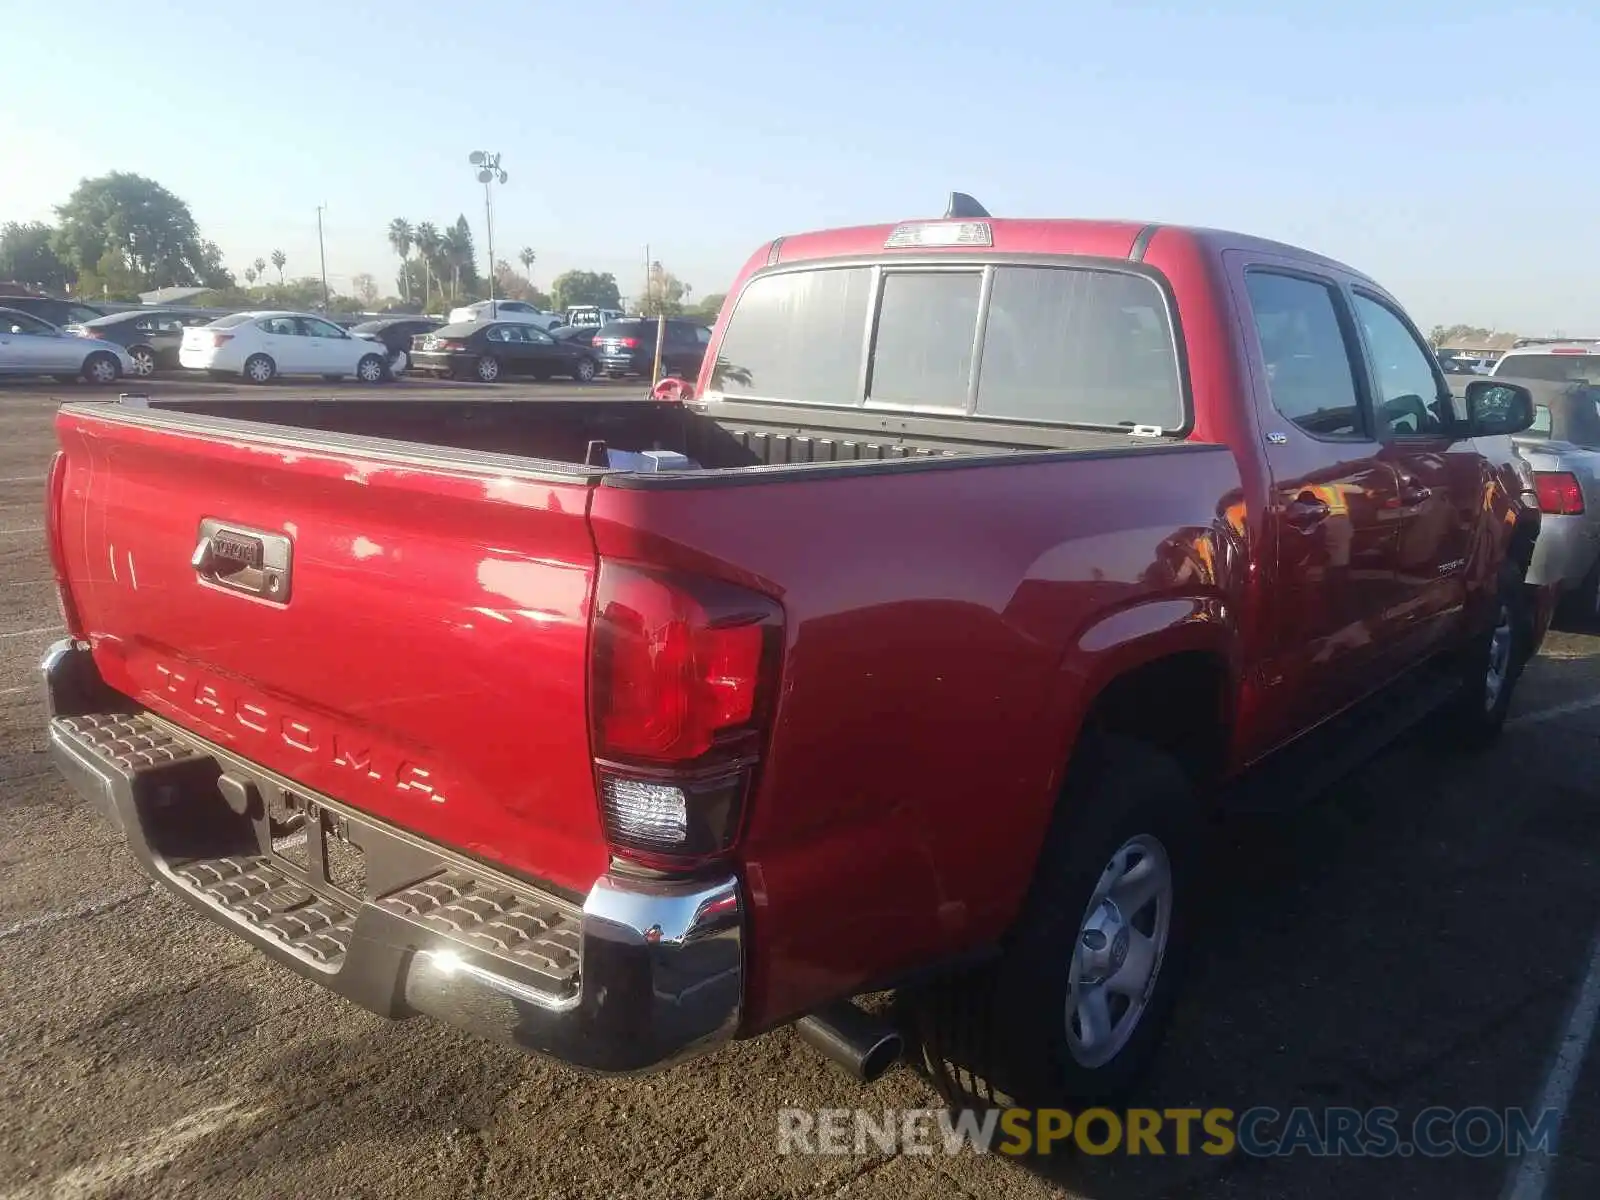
(488, 172)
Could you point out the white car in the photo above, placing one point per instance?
(519, 311)
(263, 345)
(29, 346)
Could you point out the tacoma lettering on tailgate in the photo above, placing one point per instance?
(258, 720)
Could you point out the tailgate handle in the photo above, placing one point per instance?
(237, 558)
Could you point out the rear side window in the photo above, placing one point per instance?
(1306, 354)
(1089, 347)
(230, 321)
(797, 336)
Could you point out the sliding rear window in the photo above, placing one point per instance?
(1062, 345)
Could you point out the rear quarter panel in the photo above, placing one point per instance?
(946, 630)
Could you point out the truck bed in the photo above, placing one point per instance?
(731, 441)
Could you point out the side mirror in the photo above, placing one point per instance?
(1495, 407)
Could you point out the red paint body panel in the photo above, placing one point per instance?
(946, 631)
(430, 667)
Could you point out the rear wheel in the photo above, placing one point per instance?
(101, 368)
(371, 369)
(144, 361)
(1076, 1006)
(258, 368)
(488, 369)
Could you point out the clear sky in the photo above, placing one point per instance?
(1450, 150)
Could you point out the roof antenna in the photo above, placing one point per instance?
(965, 207)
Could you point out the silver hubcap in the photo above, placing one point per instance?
(1499, 660)
(585, 370)
(143, 363)
(488, 368)
(102, 371)
(260, 371)
(371, 369)
(1121, 943)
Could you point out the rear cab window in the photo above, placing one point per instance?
(1068, 344)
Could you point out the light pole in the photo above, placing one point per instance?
(488, 172)
(323, 256)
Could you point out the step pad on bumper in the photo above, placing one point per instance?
(167, 782)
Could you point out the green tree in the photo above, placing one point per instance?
(109, 279)
(278, 259)
(26, 256)
(527, 257)
(585, 287)
(260, 265)
(665, 293)
(510, 285)
(152, 229)
(250, 276)
(709, 306)
(366, 290)
(401, 238)
(462, 258)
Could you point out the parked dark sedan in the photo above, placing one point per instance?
(151, 338)
(60, 313)
(628, 346)
(486, 350)
(396, 334)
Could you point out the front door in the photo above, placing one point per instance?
(1334, 517)
(329, 347)
(1441, 478)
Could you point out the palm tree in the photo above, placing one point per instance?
(261, 268)
(528, 258)
(426, 238)
(278, 259)
(250, 275)
(401, 239)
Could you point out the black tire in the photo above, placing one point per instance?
(1479, 713)
(144, 361)
(259, 368)
(1002, 1033)
(102, 369)
(372, 369)
(585, 371)
(487, 369)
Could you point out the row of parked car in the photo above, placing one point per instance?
(515, 339)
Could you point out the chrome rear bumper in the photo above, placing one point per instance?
(642, 974)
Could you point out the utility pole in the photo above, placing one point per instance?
(488, 172)
(323, 255)
(645, 299)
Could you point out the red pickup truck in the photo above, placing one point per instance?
(907, 651)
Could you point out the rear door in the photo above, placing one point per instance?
(1441, 478)
(282, 340)
(1335, 517)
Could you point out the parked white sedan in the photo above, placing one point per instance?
(29, 346)
(260, 346)
(505, 310)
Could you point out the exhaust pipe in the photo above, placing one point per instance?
(862, 1044)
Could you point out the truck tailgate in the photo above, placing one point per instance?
(422, 657)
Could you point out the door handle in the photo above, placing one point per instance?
(241, 559)
(1307, 512)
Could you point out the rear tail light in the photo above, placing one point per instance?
(623, 343)
(683, 678)
(217, 339)
(452, 344)
(1559, 493)
(55, 492)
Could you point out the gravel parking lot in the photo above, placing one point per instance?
(1417, 940)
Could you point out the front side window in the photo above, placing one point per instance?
(1409, 400)
(1310, 375)
(21, 322)
(322, 329)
